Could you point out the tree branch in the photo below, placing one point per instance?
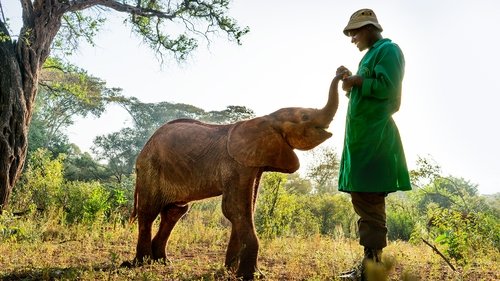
(439, 253)
(120, 7)
(2, 14)
(4, 31)
(27, 8)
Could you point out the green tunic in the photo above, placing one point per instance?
(373, 159)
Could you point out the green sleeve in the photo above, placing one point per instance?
(387, 74)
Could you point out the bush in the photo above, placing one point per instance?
(84, 201)
(463, 235)
(305, 223)
(334, 212)
(275, 208)
(13, 230)
(280, 213)
(121, 198)
(43, 188)
(40, 183)
(402, 216)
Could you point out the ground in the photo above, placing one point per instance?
(97, 254)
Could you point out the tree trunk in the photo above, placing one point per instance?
(20, 64)
(13, 121)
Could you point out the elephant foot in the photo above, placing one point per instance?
(129, 264)
(160, 257)
(246, 277)
(138, 262)
(126, 264)
(257, 275)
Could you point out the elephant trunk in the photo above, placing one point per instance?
(328, 111)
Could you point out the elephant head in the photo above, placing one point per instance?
(269, 141)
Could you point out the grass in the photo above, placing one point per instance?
(45, 250)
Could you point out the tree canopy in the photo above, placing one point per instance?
(65, 92)
(170, 28)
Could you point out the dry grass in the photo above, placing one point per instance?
(197, 253)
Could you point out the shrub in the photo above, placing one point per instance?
(121, 197)
(463, 235)
(9, 229)
(275, 208)
(84, 201)
(40, 183)
(43, 189)
(281, 213)
(305, 223)
(402, 216)
(333, 211)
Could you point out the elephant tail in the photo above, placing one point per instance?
(133, 215)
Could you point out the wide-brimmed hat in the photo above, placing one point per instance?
(361, 18)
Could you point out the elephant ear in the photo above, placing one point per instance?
(255, 143)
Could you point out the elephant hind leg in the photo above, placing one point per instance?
(145, 222)
(169, 217)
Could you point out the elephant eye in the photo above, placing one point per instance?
(305, 117)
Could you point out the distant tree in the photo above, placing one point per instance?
(150, 116)
(323, 170)
(493, 202)
(119, 150)
(295, 184)
(39, 136)
(147, 117)
(444, 191)
(426, 172)
(83, 167)
(231, 114)
(450, 192)
(65, 92)
(167, 27)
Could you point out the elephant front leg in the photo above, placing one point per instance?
(242, 251)
(249, 249)
(233, 251)
(243, 245)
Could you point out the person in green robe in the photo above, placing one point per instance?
(373, 162)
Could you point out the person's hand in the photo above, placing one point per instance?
(350, 81)
(344, 71)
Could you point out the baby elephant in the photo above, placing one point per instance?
(187, 160)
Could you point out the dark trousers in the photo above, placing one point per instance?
(372, 225)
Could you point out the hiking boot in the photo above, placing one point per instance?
(358, 273)
(355, 274)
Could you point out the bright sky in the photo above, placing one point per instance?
(451, 99)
